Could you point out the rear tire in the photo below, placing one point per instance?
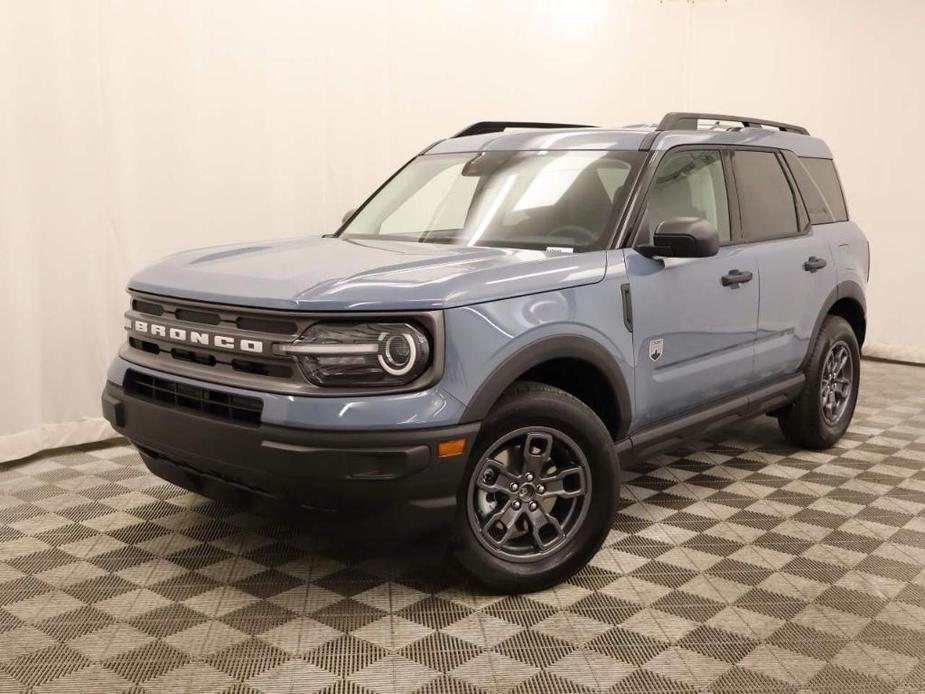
(822, 412)
(539, 493)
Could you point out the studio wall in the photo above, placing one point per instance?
(132, 130)
(851, 72)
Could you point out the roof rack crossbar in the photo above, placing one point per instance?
(688, 121)
(497, 126)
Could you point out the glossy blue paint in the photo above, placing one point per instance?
(801, 145)
(850, 250)
(707, 330)
(481, 338)
(715, 340)
(791, 298)
(332, 274)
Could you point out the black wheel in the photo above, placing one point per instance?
(823, 411)
(539, 493)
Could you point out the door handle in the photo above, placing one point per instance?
(736, 277)
(814, 263)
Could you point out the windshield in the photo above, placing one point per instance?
(539, 199)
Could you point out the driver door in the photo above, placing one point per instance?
(693, 334)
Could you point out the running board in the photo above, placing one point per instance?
(674, 431)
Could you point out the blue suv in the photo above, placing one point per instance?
(517, 313)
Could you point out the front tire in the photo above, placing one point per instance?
(821, 414)
(539, 493)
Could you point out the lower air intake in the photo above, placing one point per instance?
(214, 403)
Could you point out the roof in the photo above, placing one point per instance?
(631, 138)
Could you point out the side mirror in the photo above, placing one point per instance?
(682, 237)
(347, 215)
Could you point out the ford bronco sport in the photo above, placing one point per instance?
(501, 326)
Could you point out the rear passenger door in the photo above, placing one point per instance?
(795, 266)
(693, 335)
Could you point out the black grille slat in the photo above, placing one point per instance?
(261, 368)
(215, 403)
(191, 316)
(144, 345)
(148, 307)
(267, 325)
(195, 357)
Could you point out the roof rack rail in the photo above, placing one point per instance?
(688, 121)
(496, 126)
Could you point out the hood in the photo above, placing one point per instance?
(332, 274)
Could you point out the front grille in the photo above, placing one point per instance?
(188, 315)
(214, 403)
(263, 369)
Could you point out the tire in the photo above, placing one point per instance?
(808, 423)
(581, 476)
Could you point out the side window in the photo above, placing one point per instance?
(816, 207)
(688, 184)
(766, 204)
(825, 177)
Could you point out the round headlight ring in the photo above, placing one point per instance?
(388, 361)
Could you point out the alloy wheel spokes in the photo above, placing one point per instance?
(540, 520)
(842, 362)
(529, 493)
(537, 452)
(567, 483)
(836, 383)
(495, 477)
(507, 518)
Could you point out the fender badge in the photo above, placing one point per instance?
(656, 349)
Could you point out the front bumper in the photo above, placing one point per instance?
(368, 473)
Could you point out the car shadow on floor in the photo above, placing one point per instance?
(420, 556)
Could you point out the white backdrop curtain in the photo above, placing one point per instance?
(129, 130)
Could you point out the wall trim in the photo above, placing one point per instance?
(59, 435)
(899, 353)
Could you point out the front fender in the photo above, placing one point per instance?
(547, 349)
(489, 346)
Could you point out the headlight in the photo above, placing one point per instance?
(362, 354)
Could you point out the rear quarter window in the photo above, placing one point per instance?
(825, 177)
(813, 199)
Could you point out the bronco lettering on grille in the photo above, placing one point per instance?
(197, 337)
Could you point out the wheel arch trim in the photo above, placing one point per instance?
(847, 289)
(575, 347)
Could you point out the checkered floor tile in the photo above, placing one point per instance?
(737, 564)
